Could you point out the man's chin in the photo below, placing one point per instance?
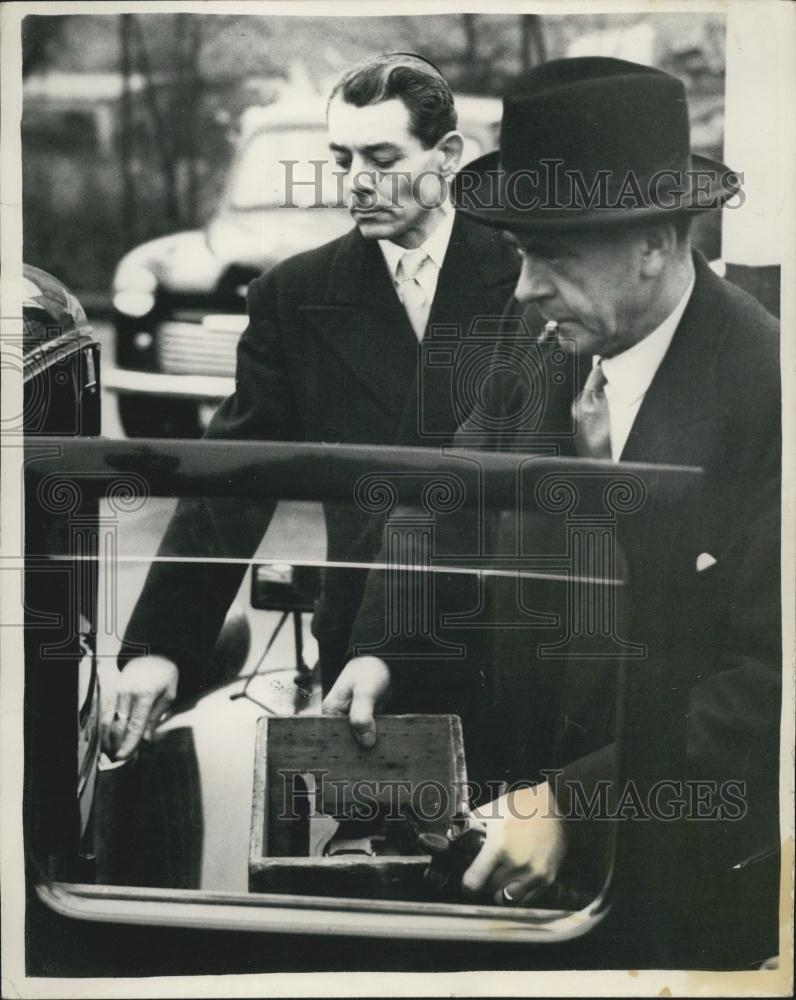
(577, 339)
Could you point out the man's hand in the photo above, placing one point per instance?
(523, 849)
(358, 693)
(146, 689)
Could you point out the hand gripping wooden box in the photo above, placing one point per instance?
(331, 817)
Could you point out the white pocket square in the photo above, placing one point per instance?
(704, 561)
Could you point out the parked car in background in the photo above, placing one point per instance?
(59, 360)
(60, 367)
(179, 302)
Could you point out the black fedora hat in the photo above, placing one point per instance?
(591, 142)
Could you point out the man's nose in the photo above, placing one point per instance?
(362, 181)
(533, 283)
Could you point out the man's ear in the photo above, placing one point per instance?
(451, 146)
(658, 245)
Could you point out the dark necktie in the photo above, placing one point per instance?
(592, 423)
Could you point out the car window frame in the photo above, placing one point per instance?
(293, 471)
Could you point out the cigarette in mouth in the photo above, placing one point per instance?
(550, 330)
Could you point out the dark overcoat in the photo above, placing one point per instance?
(702, 599)
(328, 355)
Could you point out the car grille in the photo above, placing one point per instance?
(206, 348)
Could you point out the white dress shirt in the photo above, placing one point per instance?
(435, 246)
(630, 374)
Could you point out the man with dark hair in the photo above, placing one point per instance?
(330, 354)
(415, 82)
(682, 369)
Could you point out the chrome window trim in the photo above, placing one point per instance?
(290, 914)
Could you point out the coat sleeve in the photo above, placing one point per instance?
(183, 603)
(422, 683)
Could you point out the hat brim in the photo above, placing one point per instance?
(480, 174)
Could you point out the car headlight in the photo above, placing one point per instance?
(134, 293)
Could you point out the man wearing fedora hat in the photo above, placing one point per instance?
(595, 186)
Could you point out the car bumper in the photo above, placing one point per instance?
(209, 388)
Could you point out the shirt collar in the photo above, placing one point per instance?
(436, 245)
(630, 373)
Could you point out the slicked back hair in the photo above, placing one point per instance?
(411, 79)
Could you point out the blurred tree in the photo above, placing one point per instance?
(471, 38)
(163, 127)
(41, 37)
(166, 122)
(186, 99)
(477, 57)
(532, 43)
(125, 132)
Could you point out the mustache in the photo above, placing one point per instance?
(368, 210)
(368, 203)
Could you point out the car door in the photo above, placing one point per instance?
(176, 831)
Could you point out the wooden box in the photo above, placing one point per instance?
(417, 763)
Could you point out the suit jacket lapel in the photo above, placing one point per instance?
(475, 260)
(362, 320)
(680, 411)
(432, 414)
(364, 324)
(477, 277)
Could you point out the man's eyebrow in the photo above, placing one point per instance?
(376, 147)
